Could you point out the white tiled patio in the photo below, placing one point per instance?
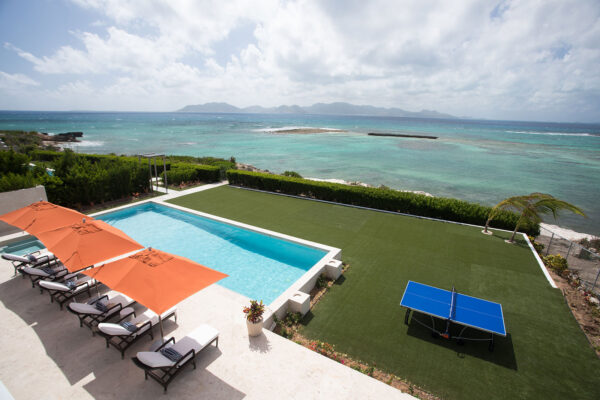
(45, 355)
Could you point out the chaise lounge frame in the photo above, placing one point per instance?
(62, 296)
(92, 320)
(123, 342)
(164, 375)
(44, 260)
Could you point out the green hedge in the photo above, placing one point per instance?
(49, 155)
(81, 180)
(379, 198)
(45, 155)
(11, 162)
(187, 173)
(12, 181)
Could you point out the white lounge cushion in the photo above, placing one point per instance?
(83, 308)
(43, 254)
(54, 286)
(14, 257)
(113, 329)
(152, 316)
(148, 315)
(29, 258)
(198, 339)
(35, 271)
(113, 300)
(64, 288)
(119, 299)
(154, 359)
(40, 272)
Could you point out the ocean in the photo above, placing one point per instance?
(474, 160)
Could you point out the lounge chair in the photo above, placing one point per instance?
(61, 292)
(34, 259)
(162, 368)
(51, 273)
(91, 314)
(121, 338)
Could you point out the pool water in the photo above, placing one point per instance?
(22, 247)
(259, 266)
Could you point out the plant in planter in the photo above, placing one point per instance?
(254, 319)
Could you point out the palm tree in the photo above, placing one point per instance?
(532, 207)
(515, 203)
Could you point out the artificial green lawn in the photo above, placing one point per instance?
(545, 355)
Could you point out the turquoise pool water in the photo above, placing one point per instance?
(259, 266)
(22, 247)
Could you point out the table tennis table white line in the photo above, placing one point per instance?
(452, 298)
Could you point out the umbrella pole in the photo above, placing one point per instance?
(162, 335)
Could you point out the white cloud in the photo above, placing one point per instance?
(510, 59)
(12, 81)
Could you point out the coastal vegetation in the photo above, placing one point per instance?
(382, 199)
(292, 174)
(76, 180)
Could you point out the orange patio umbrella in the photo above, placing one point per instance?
(42, 216)
(86, 243)
(156, 279)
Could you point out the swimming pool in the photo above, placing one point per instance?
(259, 266)
(23, 247)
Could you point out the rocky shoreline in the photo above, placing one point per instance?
(68, 137)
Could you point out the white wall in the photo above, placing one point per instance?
(10, 201)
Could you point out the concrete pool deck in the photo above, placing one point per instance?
(46, 355)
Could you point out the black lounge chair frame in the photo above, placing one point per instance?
(123, 342)
(92, 320)
(36, 278)
(42, 262)
(164, 375)
(61, 296)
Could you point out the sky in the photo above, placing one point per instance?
(517, 60)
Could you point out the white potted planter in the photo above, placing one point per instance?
(254, 319)
(255, 328)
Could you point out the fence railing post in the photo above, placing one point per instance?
(569, 251)
(596, 280)
(549, 243)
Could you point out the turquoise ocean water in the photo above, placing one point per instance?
(481, 161)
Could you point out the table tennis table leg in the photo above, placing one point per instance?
(407, 316)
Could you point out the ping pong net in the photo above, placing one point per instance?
(452, 305)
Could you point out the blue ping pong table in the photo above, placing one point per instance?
(452, 307)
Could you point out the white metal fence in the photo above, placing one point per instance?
(585, 262)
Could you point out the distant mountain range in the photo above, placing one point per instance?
(318, 108)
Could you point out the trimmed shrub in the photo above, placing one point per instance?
(11, 162)
(293, 174)
(45, 155)
(79, 179)
(12, 181)
(379, 198)
(187, 173)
